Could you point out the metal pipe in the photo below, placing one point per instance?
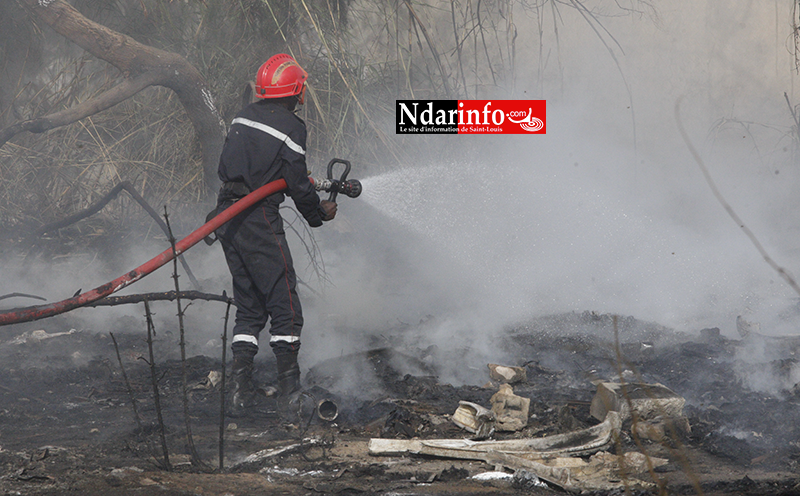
(327, 410)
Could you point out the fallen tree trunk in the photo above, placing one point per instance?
(142, 66)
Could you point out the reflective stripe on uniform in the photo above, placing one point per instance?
(285, 339)
(272, 132)
(247, 338)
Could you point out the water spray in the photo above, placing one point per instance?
(347, 187)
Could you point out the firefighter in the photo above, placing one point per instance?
(267, 142)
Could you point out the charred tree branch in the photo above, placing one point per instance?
(102, 202)
(795, 119)
(136, 416)
(87, 212)
(429, 41)
(458, 46)
(111, 301)
(222, 389)
(22, 295)
(154, 380)
(785, 275)
(195, 456)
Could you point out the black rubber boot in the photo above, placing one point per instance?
(288, 387)
(246, 398)
(288, 374)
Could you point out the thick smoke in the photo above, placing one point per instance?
(607, 212)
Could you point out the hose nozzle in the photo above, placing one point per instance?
(348, 187)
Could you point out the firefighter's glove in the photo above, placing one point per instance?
(327, 210)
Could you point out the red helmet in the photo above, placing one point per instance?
(279, 77)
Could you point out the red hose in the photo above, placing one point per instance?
(28, 314)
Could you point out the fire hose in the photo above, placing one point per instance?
(348, 187)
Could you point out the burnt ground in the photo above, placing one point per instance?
(67, 425)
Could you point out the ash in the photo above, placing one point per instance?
(68, 424)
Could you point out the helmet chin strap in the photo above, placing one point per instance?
(301, 98)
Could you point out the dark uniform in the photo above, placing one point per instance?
(266, 142)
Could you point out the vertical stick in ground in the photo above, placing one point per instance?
(222, 389)
(128, 386)
(133, 398)
(154, 379)
(196, 461)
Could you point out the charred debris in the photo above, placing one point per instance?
(580, 403)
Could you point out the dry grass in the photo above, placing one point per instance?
(361, 56)
(146, 140)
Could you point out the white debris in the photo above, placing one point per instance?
(474, 418)
(276, 470)
(494, 475)
(507, 374)
(38, 335)
(293, 472)
(269, 453)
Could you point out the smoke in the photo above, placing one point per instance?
(59, 278)
(503, 236)
(606, 212)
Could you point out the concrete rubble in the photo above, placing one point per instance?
(561, 459)
(475, 419)
(507, 374)
(648, 401)
(554, 459)
(510, 410)
(655, 411)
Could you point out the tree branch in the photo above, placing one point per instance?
(102, 202)
(136, 60)
(121, 92)
(110, 301)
